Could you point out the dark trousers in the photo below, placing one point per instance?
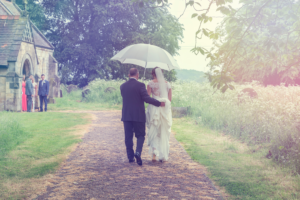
(139, 129)
(29, 103)
(43, 99)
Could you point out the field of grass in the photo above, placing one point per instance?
(240, 170)
(32, 145)
(269, 121)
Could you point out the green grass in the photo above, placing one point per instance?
(73, 101)
(11, 133)
(42, 141)
(234, 166)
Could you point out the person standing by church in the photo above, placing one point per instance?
(43, 92)
(24, 99)
(29, 92)
(34, 94)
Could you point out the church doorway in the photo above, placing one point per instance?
(26, 68)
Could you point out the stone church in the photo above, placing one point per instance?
(24, 50)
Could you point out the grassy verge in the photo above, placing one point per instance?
(43, 142)
(241, 170)
(73, 101)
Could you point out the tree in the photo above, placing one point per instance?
(261, 40)
(86, 34)
(36, 13)
(202, 13)
(257, 40)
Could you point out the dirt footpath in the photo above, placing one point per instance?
(99, 169)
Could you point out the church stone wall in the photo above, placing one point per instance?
(43, 56)
(3, 71)
(13, 99)
(26, 48)
(54, 80)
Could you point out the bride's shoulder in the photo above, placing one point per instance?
(150, 83)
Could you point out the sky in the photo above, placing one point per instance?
(187, 59)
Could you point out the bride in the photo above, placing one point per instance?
(159, 119)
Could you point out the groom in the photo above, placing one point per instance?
(134, 95)
(43, 92)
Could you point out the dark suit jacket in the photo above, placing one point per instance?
(29, 87)
(43, 89)
(134, 95)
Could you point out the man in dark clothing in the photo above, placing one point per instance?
(134, 95)
(43, 92)
(29, 92)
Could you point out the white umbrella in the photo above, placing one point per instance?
(146, 55)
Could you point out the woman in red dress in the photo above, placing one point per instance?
(24, 97)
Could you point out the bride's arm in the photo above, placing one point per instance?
(149, 90)
(170, 94)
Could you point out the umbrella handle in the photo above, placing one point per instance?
(145, 71)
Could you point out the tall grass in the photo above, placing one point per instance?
(105, 91)
(11, 133)
(271, 120)
(98, 99)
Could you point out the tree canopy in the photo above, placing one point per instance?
(260, 39)
(36, 13)
(255, 42)
(86, 34)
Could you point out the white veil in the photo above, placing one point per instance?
(162, 83)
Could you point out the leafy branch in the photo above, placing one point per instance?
(252, 40)
(221, 81)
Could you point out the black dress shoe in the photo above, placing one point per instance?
(138, 158)
(132, 160)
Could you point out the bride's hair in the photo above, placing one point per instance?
(153, 72)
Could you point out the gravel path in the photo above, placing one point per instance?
(99, 169)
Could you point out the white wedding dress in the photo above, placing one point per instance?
(159, 119)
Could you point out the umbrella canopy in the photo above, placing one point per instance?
(146, 55)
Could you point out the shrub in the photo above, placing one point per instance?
(99, 92)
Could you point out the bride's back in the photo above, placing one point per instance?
(155, 88)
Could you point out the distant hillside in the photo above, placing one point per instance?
(190, 75)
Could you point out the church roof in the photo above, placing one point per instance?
(14, 30)
(8, 8)
(3, 11)
(11, 35)
(39, 39)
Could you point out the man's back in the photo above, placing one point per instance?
(134, 95)
(29, 87)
